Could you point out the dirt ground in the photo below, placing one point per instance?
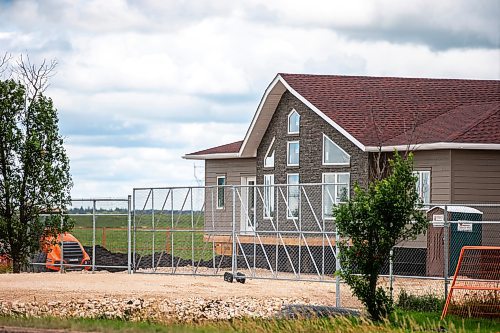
(27, 287)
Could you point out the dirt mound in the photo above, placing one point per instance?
(104, 257)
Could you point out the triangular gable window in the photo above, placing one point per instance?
(333, 154)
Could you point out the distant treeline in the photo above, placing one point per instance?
(88, 210)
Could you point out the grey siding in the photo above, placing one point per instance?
(476, 179)
(476, 176)
(419, 242)
(233, 170)
(438, 162)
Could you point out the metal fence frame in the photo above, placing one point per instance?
(240, 259)
(93, 266)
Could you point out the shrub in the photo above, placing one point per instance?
(421, 303)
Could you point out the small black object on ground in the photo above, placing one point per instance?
(239, 277)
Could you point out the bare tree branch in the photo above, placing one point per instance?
(4, 62)
(380, 163)
(35, 78)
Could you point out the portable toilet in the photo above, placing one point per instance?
(462, 232)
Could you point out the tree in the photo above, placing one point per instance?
(371, 224)
(34, 167)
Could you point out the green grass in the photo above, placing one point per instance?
(111, 233)
(141, 220)
(400, 322)
(422, 303)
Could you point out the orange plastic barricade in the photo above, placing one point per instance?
(475, 290)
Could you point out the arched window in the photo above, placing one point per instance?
(333, 154)
(293, 122)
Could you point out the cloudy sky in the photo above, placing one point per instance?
(140, 83)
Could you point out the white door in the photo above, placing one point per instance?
(248, 205)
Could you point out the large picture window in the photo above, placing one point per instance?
(269, 158)
(268, 196)
(293, 195)
(423, 185)
(335, 190)
(292, 153)
(221, 181)
(333, 154)
(293, 122)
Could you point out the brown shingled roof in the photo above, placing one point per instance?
(224, 149)
(388, 111)
(475, 123)
(360, 104)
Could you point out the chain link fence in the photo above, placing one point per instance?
(99, 240)
(427, 265)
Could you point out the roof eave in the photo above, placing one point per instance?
(218, 156)
(435, 146)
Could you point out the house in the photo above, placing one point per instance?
(330, 129)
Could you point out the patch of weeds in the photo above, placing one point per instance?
(421, 303)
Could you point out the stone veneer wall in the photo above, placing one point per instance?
(310, 167)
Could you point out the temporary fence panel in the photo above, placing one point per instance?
(103, 228)
(175, 233)
(288, 232)
(475, 288)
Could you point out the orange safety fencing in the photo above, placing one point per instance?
(475, 290)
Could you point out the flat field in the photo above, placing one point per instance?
(111, 233)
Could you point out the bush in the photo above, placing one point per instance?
(421, 303)
(371, 223)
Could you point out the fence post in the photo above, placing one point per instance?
(103, 237)
(192, 233)
(234, 264)
(134, 249)
(391, 274)
(337, 268)
(153, 226)
(446, 249)
(93, 236)
(61, 235)
(129, 237)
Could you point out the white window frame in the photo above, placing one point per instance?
(336, 175)
(419, 173)
(288, 153)
(269, 207)
(270, 149)
(324, 151)
(288, 122)
(288, 216)
(221, 187)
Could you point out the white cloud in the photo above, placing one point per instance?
(140, 83)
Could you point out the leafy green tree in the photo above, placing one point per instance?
(371, 224)
(34, 167)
